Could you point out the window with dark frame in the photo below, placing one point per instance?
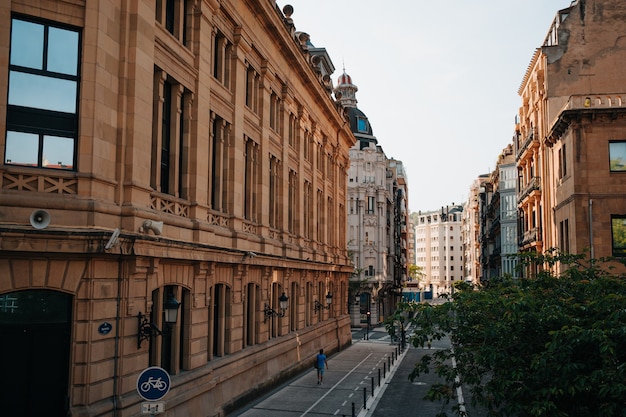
(42, 110)
(618, 234)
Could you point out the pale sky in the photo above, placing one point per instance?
(437, 80)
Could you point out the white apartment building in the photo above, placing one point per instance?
(439, 249)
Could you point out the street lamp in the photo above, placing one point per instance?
(283, 302)
(329, 300)
(147, 330)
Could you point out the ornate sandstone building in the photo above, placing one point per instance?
(571, 137)
(158, 157)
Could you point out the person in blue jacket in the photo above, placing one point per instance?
(321, 362)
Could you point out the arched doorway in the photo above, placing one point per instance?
(35, 352)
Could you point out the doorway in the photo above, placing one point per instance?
(35, 353)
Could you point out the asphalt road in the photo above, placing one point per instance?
(347, 388)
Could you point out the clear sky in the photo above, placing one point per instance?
(437, 79)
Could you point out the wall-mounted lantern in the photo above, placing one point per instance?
(319, 306)
(148, 330)
(283, 302)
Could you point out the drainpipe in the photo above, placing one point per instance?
(591, 228)
(117, 337)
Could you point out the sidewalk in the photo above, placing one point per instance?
(347, 384)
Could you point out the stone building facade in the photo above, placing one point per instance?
(165, 153)
(377, 218)
(571, 136)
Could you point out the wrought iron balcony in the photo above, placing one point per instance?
(531, 137)
(532, 185)
(530, 236)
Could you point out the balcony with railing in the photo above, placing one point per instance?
(533, 185)
(530, 236)
(530, 138)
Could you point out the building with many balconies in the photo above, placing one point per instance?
(571, 142)
(498, 219)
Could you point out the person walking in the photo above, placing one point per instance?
(320, 363)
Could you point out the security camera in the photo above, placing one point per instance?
(251, 254)
(113, 239)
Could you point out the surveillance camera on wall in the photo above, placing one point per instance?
(113, 239)
(250, 254)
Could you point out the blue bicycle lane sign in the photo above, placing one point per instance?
(153, 383)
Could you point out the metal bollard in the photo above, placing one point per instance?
(372, 386)
(379, 377)
(353, 410)
(389, 362)
(384, 370)
(364, 398)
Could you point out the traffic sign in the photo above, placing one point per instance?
(153, 383)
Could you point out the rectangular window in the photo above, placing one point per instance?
(564, 236)
(252, 89)
(42, 119)
(274, 205)
(308, 209)
(222, 50)
(275, 111)
(172, 14)
(618, 233)
(371, 205)
(293, 202)
(562, 162)
(219, 163)
(251, 180)
(617, 156)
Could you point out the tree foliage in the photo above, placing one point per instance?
(546, 346)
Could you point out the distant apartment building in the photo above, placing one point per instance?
(570, 141)
(498, 219)
(439, 250)
(172, 195)
(471, 231)
(377, 223)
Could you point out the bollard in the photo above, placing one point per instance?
(364, 398)
(384, 370)
(389, 362)
(379, 377)
(372, 386)
(353, 411)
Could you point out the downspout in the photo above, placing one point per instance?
(591, 251)
(117, 336)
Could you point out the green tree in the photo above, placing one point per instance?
(548, 346)
(400, 318)
(415, 272)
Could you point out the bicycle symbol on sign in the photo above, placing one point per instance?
(157, 383)
(153, 383)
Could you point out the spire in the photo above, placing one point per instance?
(345, 92)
